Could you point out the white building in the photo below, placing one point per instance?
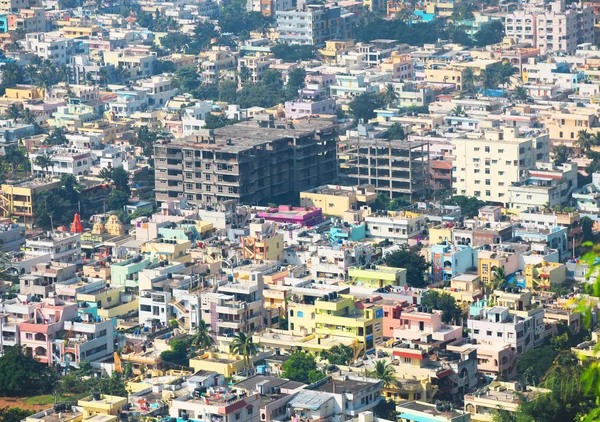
(194, 117)
(485, 166)
(154, 308)
(334, 261)
(50, 46)
(62, 247)
(397, 228)
(64, 161)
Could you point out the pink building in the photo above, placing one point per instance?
(392, 314)
(49, 318)
(415, 323)
(293, 215)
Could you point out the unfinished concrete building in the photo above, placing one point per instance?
(396, 168)
(253, 162)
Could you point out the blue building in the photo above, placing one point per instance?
(554, 238)
(448, 260)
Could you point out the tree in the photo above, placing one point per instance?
(561, 154)
(587, 227)
(338, 355)
(13, 112)
(302, 367)
(469, 206)
(11, 74)
(204, 33)
(414, 264)
(520, 94)
(584, 141)
(56, 137)
(120, 178)
(117, 199)
(295, 82)
(363, 106)
(178, 354)
(145, 138)
(490, 34)
(293, 53)
(390, 96)
(44, 161)
(489, 78)
(22, 375)
(214, 121)
(505, 73)
(395, 132)
(468, 80)
(14, 414)
(27, 117)
(243, 345)
(187, 79)
(106, 174)
(384, 371)
(202, 339)
(442, 302)
(113, 385)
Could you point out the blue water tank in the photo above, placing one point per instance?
(145, 329)
(98, 319)
(167, 335)
(261, 369)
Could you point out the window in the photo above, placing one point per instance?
(489, 333)
(488, 193)
(499, 334)
(475, 331)
(487, 149)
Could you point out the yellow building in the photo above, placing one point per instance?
(335, 200)
(263, 247)
(24, 92)
(377, 277)
(218, 362)
(103, 405)
(80, 31)
(18, 199)
(335, 48)
(564, 125)
(440, 234)
(542, 275)
(445, 75)
(108, 131)
(111, 302)
(338, 316)
(173, 250)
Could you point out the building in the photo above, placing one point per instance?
(551, 27)
(396, 168)
(154, 308)
(337, 315)
(18, 198)
(499, 395)
(284, 214)
(227, 406)
(377, 276)
(335, 200)
(335, 261)
(312, 26)
(403, 227)
(417, 411)
(246, 162)
(541, 276)
(545, 185)
(60, 246)
(450, 260)
(487, 166)
(263, 243)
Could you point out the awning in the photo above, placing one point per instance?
(417, 418)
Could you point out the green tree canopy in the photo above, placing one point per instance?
(442, 302)
(414, 263)
(302, 367)
(338, 355)
(22, 375)
(363, 106)
(469, 205)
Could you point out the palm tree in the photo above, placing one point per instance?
(44, 162)
(202, 339)
(584, 141)
(14, 157)
(505, 72)
(499, 278)
(488, 78)
(245, 74)
(458, 111)
(106, 174)
(243, 345)
(469, 78)
(385, 372)
(13, 112)
(31, 72)
(389, 95)
(27, 117)
(561, 154)
(520, 94)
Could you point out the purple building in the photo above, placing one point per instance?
(313, 100)
(293, 215)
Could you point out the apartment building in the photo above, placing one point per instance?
(337, 315)
(230, 406)
(50, 46)
(552, 27)
(139, 64)
(256, 64)
(335, 200)
(61, 246)
(419, 322)
(214, 61)
(64, 161)
(396, 168)
(263, 242)
(312, 26)
(91, 339)
(11, 6)
(486, 166)
(250, 162)
(236, 307)
(498, 326)
(334, 261)
(403, 227)
(154, 308)
(30, 20)
(544, 185)
(12, 236)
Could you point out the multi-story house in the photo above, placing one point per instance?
(418, 322)
(9, 6)
(236, 307)
(214, 61)
(64, 161)
(154, 308)
(486, 166)
(62, 247)
(552, 27)
(263, 242)
(91, 340)
(139, 64)
(256, 65)
(312, 26)
(334, 261)
(50, 46)
(158, 90)
(401, 227)
(229, 407)
(337, 315)
(250, 162)
(545, 185)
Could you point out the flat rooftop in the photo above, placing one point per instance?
(242, 136)
(353, 386)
